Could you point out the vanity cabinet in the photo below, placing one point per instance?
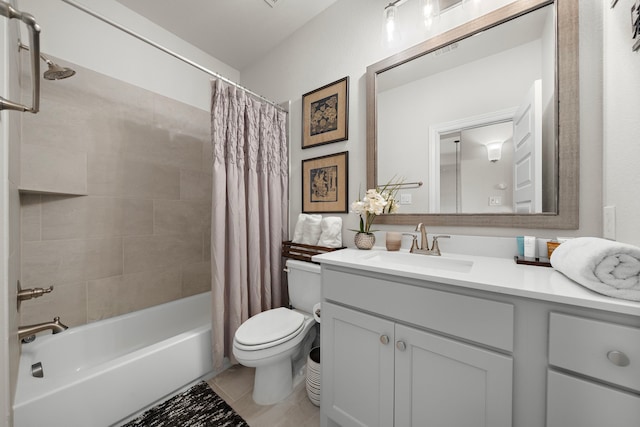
(406, 365)
(597, 362)
(406, 345)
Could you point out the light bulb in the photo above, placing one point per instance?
(430, 11)
(390, 17)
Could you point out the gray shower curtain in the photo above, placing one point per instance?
(249, 211)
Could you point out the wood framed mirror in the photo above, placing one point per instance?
(416, 144)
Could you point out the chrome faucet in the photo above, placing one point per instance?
(56, 327)
(423, 249)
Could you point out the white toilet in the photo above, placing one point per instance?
(276, 342)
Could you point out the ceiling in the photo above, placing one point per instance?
(236, 32)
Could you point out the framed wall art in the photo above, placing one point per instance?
(324, 184)
(325, 114)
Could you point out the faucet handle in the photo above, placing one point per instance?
(435, 246)
(26, 294)
(414, 243)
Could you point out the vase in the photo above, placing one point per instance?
(364, 240)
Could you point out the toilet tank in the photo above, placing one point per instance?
(304, 284)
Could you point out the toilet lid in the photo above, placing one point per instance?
(268, 326)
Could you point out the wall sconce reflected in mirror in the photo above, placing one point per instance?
(494, 151)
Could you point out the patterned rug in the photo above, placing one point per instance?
(197, 407)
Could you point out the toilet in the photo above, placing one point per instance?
(276, 342)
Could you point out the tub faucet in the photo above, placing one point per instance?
(56, 327)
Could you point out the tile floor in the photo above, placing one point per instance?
(235, 386)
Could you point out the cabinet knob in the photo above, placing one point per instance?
(384, 339)
(618, 358)
(400, 345)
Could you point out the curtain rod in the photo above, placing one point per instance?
(170, 52)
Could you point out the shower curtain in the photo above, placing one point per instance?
(249, 211)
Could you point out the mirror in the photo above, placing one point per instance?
(486, 116)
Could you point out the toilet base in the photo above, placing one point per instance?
(273, 383)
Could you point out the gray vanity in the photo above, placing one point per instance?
(413, 340)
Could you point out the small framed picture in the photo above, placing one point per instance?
(324, 183)
(325, 114)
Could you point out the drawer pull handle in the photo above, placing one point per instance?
(384, 339)
(401, 345)
(618, 358)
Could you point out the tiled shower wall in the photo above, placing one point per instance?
(141, 234)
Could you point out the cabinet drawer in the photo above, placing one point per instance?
(602, 350)
(572, 402)
(476, 319)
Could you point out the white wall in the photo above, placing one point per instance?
(345, 39)
(75, 36)
(621, 123)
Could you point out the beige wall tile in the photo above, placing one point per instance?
(123, 294)
(58, 262)
(195, 185)
(161, 146)
(30, 213)
(139, 150)
(149, 253)
(117, 176)
(196, 278)
(181, 217)
(86, 217)
(68, 301)
(53, 169)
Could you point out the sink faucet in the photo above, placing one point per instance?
(424, 240)
(56, 327)
(423, 249)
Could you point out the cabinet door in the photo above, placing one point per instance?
(357, 367)
(572, 402)
(445, 383)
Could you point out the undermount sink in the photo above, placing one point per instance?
(409, 261)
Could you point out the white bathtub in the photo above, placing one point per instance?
(98, 374)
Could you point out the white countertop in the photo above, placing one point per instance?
(487, 273)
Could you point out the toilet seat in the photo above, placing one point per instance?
(268, 329)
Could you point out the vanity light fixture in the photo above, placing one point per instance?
(494, 151)
(429, 13)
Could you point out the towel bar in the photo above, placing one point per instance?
(10, 12)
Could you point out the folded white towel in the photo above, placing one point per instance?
(311, 230)
(331, 235)
(607, 267)
(297, 233)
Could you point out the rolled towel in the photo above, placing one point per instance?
(331, 235)
(609, 268)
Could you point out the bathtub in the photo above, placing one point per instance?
(99, 374)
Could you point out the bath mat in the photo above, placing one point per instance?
(197, 407)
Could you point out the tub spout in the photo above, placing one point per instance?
(56, 326)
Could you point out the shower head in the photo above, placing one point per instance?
(55, 71)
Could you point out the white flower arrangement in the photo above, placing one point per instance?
(376, 201)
